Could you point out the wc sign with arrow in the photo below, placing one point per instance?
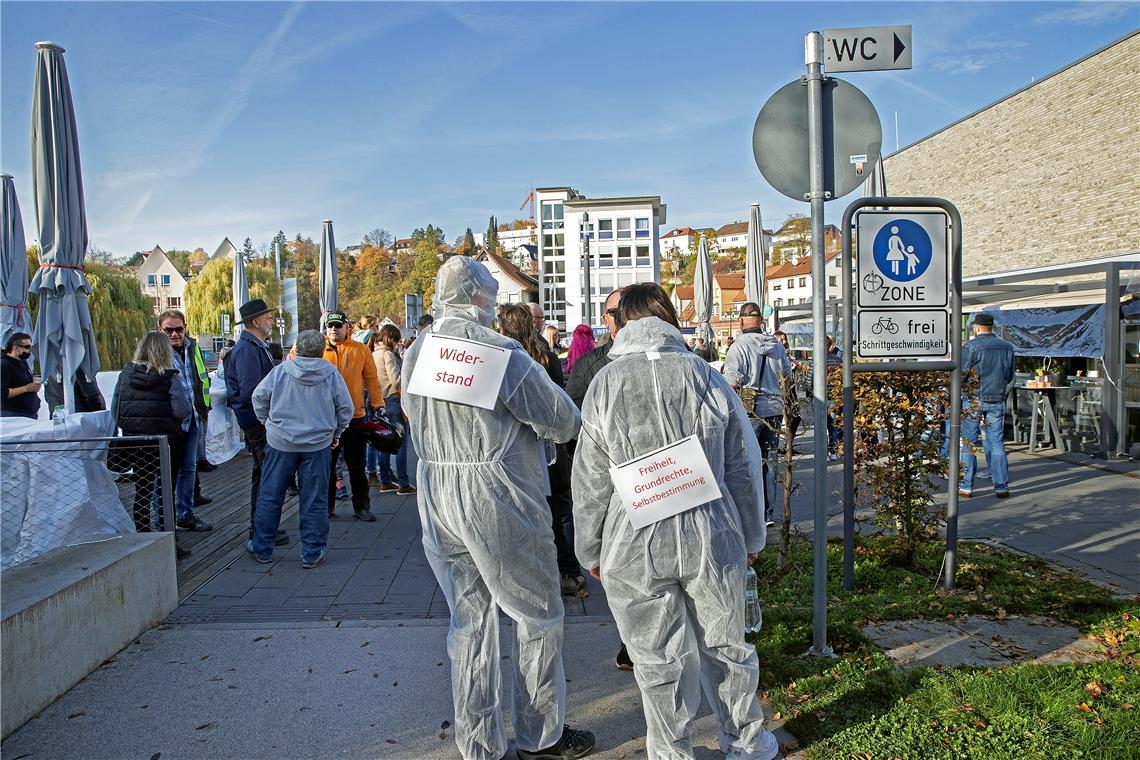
(868, 48)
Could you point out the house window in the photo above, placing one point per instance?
(552, 216)
(166, 280)
(778, 302)
(643, 256)
(625, 255)
(623, 229)
(605, 229)
(605, 256)
(151, 280)
(777, 286)
(174, 302)
(554, 267)
(803, 282)
(642, 228)
(831, 280)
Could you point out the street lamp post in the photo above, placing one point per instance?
(585, 233)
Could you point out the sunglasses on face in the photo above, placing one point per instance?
(174, 330)
(28, 347)
(612, 313)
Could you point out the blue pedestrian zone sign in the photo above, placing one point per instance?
(902, 259)
(902, 250)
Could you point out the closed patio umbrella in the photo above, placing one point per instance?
(64, 338)
(14, 316)
(755, 258)
(703, 293)
(327, 281)
(240, 286)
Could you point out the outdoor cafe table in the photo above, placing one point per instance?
(1042, 407)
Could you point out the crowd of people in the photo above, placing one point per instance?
(522, 495)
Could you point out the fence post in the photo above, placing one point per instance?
(167, 504)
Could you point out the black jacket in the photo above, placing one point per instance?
(146, 403)
(15, 373)
(585, 369)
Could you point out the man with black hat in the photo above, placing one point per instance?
(757, 360)
(991, 358)
(354, 362)
(246, 365)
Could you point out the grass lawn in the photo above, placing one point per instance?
(861, 706)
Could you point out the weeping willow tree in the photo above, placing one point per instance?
(210, 294)
(120, 313)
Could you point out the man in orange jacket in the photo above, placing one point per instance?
(354, 362)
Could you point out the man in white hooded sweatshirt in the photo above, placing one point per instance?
(486, 523)
(675, 585)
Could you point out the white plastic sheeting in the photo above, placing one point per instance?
(55, 491)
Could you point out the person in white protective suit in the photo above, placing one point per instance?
(486, 529)
(676, 586)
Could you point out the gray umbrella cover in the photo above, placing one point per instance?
(239, 286)
(14, 316)
(756, 258)
(328, 271)
(65, 340)
(703, 292)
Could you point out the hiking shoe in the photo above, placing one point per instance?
(1001, 494)
(373, 478)
(309, 564)
(364, 515)
(572, 744)
(622, 660)
(387, 487)
(280, 538)
(193, 523)
(572, 585)
(249, 550)
(402, 490)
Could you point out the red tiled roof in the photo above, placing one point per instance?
(732, 228)
(679, 232)
(730, 281)
(684, 292)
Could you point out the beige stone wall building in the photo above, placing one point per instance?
(1048, 175)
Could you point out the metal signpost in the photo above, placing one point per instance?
(910, 271)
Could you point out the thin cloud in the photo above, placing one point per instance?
(1085, 14)
(207, 19)
(976, 55)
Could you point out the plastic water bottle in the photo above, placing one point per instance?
(753, 619)
(59, 422)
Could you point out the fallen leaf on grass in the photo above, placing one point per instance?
(1084, 708)
(1095, 689)
(1127, 706)
(980, 725)
(777, 716)
(1001, 614)
(77, 714)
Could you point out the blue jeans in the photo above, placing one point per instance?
(312, 470)
(187, 474)
(768, 436)
(392, 409)
(992, 417)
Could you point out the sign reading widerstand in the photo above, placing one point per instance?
(459, 370)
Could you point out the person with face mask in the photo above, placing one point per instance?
(673, 568)
(486, 524)
(20, 396)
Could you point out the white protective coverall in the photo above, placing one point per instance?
(675, 587)
(486, 525)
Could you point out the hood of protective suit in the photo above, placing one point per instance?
(465, 289)
(309, 370)
(647, 334)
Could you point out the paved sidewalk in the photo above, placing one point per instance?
(349, 660)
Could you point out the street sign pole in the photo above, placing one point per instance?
(954, 366)
(813, 58)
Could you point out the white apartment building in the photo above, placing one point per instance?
(791, 283)
(622, 236)
(161, 280)
(676, 242)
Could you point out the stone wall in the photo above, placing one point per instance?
(1047, 176)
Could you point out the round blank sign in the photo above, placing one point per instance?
(852, 139)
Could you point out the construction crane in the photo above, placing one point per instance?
(529, 199)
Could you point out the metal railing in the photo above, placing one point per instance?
(59, 492)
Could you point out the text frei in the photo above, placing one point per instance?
(665, 482)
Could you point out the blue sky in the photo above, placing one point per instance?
(201, 120)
